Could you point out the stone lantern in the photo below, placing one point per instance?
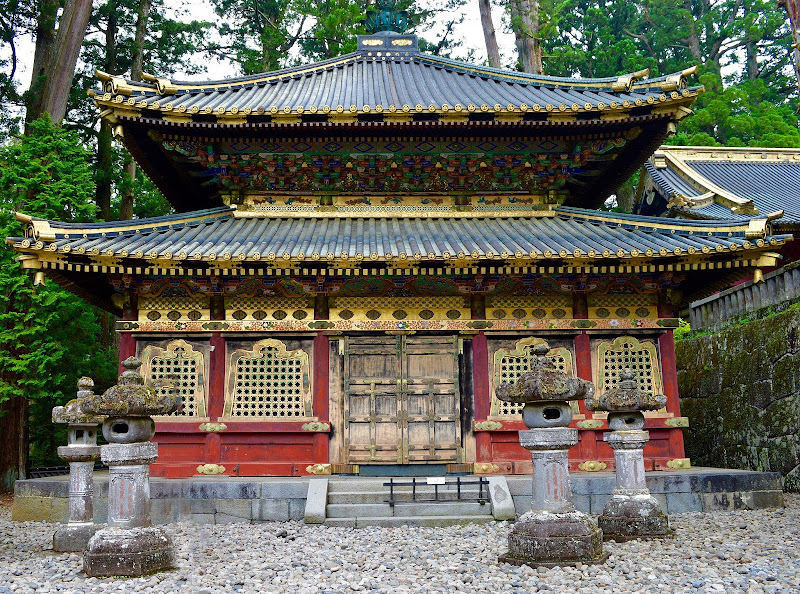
(631, 512)
(553, 532)
(81, 452)
(129, 545)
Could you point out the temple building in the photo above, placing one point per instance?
(366, 247)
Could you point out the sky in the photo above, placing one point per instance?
(470, 31)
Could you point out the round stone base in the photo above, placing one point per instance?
(554, 539)
(73, 538)
(628, 518)
(131, 552)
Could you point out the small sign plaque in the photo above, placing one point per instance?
(435, 480)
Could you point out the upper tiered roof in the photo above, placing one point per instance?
(437, 109)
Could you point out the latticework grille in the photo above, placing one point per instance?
(400, 308)
(622, 300)
(626, 352)
(510, 364)
(532, 301)
(434, 302)
(268, 382)
(178, 359)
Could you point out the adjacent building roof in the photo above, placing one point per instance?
(727, 183)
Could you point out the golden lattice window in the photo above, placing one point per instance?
(268, 381)
(510, 364)
(640, 357)
(178, 358)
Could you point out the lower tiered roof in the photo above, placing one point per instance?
(570, 236)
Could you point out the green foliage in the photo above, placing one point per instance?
(744, 114)
(48, 336)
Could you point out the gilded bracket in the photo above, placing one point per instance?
(488, 426)
(485, 468)
(317, 426)
(590, 424)
(679, 464)
(592, 466)
(677, 422)
(213, 427)
(210, 469)
(319, 469)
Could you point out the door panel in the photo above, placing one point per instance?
(402, 399)
(372, 399)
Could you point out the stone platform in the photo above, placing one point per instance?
(216, 500)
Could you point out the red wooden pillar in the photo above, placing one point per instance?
(583, 369)
(127, 341)
(216, 382)
(669, 378)
(669, 374)
(320, 403)
(482, 392)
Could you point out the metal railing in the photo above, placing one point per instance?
(439, 497)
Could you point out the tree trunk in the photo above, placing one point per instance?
(42, 57)
(489, 35)
(693, 38)
(142, 16)
(793, 9)
(525, 24)
(752, 60)
(13, 446)
(61, 70)
(105, 159)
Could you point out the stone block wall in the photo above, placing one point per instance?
(201, 500)
(740, 388)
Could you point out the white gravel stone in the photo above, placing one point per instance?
(742, 551)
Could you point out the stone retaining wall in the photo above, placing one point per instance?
(740, 388)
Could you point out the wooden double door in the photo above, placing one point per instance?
(401, 399)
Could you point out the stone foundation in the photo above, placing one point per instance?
(146, 550)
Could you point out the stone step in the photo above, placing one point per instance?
(395, 521)
(403, 495)
(463, 508)
(377, 484)
(353, 510)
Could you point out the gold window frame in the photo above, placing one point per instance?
(152, 352)
(256, 352)
(604, 381)
(519, 352)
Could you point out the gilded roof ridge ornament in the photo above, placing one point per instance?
(386, 18)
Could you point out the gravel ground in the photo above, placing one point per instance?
(741, 551)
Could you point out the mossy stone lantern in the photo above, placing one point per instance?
(631, 512)
(81, 452)
(129, 545)
(553, 532)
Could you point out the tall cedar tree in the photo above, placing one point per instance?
(48, 336)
